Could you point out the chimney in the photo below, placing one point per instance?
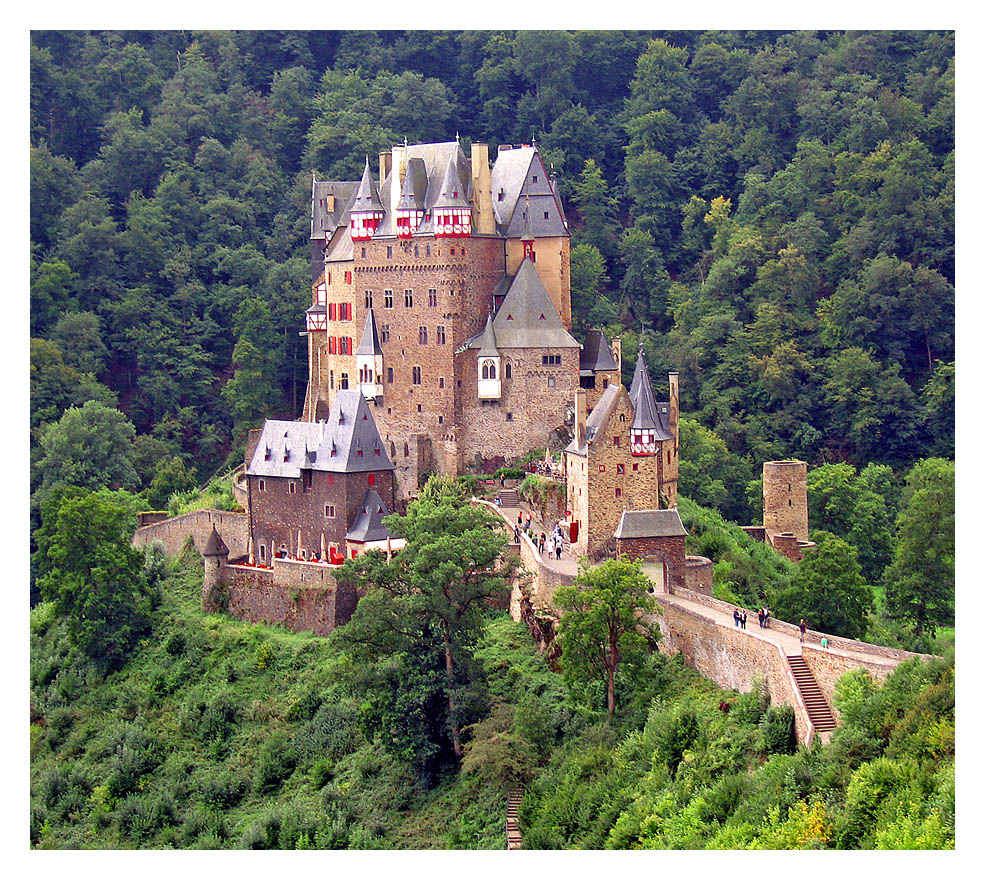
(386, 160)
(581, 406)
(617, 354)
(485, 222)
(674, 407)
(398, 165)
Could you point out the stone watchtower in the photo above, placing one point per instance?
(216, 555)
(785, 499)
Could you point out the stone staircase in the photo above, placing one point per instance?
(514, 839)
(508, 498)
(817, 709)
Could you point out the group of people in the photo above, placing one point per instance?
(764, 618)
(553, 545)
(739, 617)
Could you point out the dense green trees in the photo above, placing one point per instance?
(416, 627)
(602, 633)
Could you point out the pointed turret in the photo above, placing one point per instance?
(366, 212)
(369, 359)
(452, 214)
(488, 363)
(646, 422)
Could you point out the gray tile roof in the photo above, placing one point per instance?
(596, 354)
(324, 221)
(415, 186)
(367, 197)
(451, 193)
(648, 413)
(215, 546)
(513, 174)
(347, 442)
(369, 342)
(368, 525)
(597, 418)
(527, 318)
(486, 341)
(650, 524)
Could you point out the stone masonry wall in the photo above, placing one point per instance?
(197, 525)
(828, 668)
(699, 574)
(785, 497)
(731, 659)
(669, 550)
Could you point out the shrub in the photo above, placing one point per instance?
(275, 763)
(776, 731)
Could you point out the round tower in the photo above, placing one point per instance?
(785, 498)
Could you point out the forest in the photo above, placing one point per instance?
(770, 213)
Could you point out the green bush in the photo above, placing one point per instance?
(275, 763)
(776, 731)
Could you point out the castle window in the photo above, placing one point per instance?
(453, 252)
(388, 299)
(427, 249)
(408, 299)
(636, 467)
(417, 250)
(620, 468)
(509, 417)
(535, 178)
(432, 297)
(668, 456)
(615, 440)
(488, 369)
(622, 417)
(344, 381)
(263, 486)
(551, 360)
(441, 420)
(291, 488)
(363, 253)
(330, 511)
(372, 479)
(422, 335)
(369, 299)
(344, 345)
(306, 480)
(550, 382)
(389, 375)
(601, 468)
(618, 492)
(416, 379)
(463, 252)
(406, 450)
(331, 378)
(440, 335)
(333, 311)
(420, 408)
(546, 215)
(348, 277)
(263, 553)
(441, 382)
(393, 450)
(389, 253)
(509, 370)
(384, 333)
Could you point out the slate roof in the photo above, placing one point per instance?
(415, 186)
(648, 414)
(596, 354)
(347, 442)
(367, 197)
(369, 342)
(323, 221)
(368, 525)
(513, 174)
(486, 341)
(597, 418)
(650, 524)
(450, 185)
(527, 318)
(215, 546)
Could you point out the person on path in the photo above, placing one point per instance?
(516, 534)
(824, 642)
(557, 548)
(766, 617)
(519, 520)
(543, 540)
(528, 519)
(735, 616)
(743, 619)
(803, 629)
(760, 618)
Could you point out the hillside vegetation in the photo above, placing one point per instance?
(215, 733)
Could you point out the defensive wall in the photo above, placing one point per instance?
(302, 596)
(197, 525)
(727, 655)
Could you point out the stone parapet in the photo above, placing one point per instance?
(197, 525)
(699, 573)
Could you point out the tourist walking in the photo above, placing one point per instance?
(516, 534)
(803, 629)
(735, 616)
(743, 619)
(760, 618)
(557, 547)
(543, 540)
(766, 617)
(527, 519)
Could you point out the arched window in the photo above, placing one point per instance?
(488, 370)
(509, 370)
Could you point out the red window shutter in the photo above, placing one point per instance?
(372, 479)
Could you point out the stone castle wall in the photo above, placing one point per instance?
(669, 550)
(731, 658)
(197, 525)
(699, 574)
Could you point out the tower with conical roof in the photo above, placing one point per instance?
(366, 212)
(369, 359)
